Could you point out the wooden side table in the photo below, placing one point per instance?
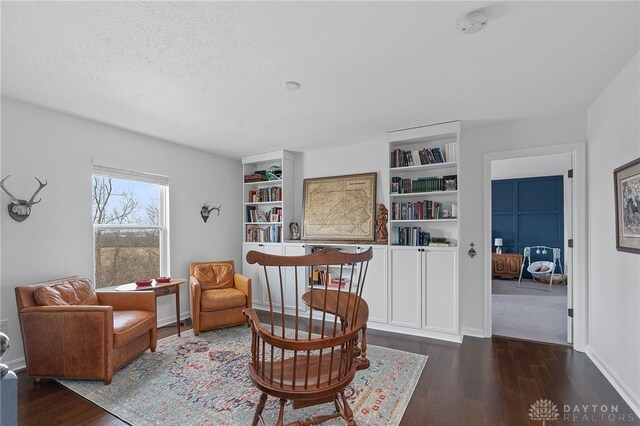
(506, 265)
(160, 289)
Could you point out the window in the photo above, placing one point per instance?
(130, 226)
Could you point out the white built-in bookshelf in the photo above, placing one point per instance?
(423, 173)
(267, 191)
(411, 286)
(423, 207)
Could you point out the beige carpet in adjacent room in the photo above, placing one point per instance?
(529, 313)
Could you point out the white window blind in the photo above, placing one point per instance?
(116, 173)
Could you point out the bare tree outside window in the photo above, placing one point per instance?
(127, 227)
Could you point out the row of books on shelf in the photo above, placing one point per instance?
(255, 177)
(267, 234)
(265, 195)
(417, 157)
(409, 236)
(421, 210)
(255, 215)
(322, 278)
(423, 184)
(415, 236)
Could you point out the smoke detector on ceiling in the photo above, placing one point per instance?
(473, 22)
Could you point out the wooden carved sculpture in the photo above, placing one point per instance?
(381, 224)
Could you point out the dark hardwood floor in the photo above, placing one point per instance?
(480, 382)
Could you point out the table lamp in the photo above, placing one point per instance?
(498, 243)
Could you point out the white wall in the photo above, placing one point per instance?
(524, 167)
(614, 140)
(366, 157)
(476, 142)
(57, 239)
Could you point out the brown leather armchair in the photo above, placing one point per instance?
(218, 295)
(69, 330)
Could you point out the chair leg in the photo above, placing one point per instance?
(363, 354)
(348, 414)
(281, 413)
(259, 408)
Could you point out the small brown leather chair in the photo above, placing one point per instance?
(218, 295)
(71, 331)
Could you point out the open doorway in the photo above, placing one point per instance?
(575, 266)
(531, 214)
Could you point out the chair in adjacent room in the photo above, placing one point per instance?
(217, 295)
(71, 331)
(314, 360)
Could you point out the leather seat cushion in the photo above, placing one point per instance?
(215, 275)
(226, 298)
(127, 325)
(66, 292)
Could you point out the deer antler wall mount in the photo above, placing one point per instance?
(206, 209)
(19, 209)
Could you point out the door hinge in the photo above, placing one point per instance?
(570, 312)
(570, 243)
(570, 173)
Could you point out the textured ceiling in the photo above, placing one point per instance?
(210, 74)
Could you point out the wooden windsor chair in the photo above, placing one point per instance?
(315, 360)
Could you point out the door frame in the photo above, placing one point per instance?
(578, 231)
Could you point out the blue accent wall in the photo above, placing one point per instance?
(528, 212)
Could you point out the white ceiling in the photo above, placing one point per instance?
(210, 74)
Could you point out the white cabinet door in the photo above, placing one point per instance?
(259, 292)
(252, 271)
(375, 285)
(441, 292)
(291, 249)
(405, 286)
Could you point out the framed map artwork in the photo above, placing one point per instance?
(627, 189)
(340, 208)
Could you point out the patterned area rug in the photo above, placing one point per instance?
(203, 380)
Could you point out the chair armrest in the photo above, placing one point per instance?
(193, 281)
(195, 289)
(54, 336)
(252, 319)
(128, 300)
(243, 284)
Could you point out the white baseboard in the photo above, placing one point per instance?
(16, 364)
(473, 332)
(172, 319)
(456, 338)
(627, 394)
